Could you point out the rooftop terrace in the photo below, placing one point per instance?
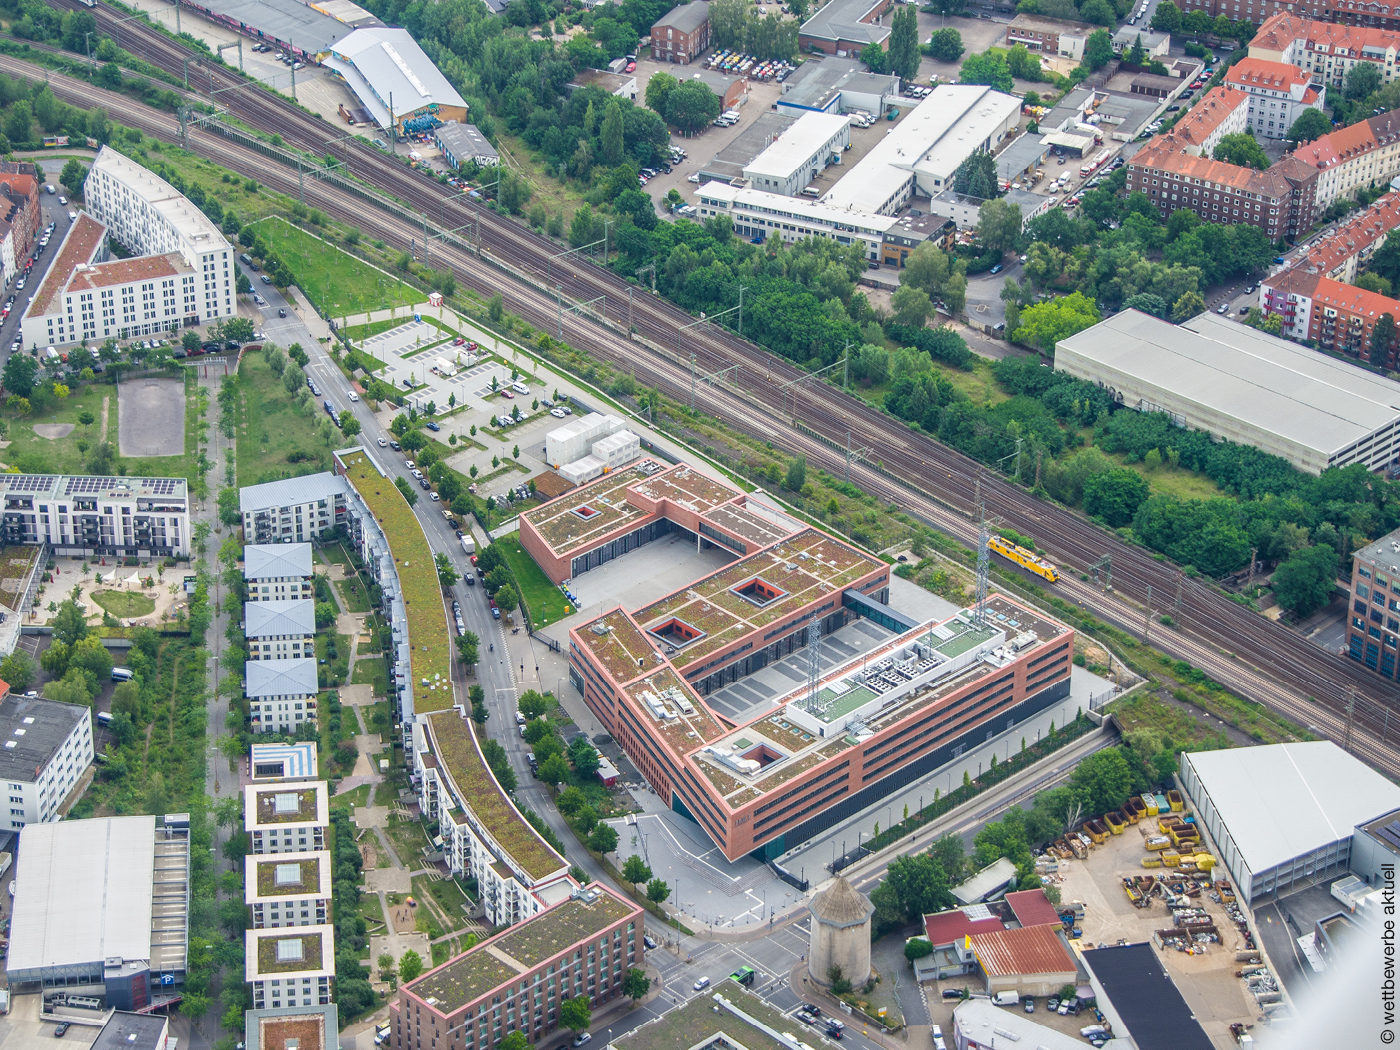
(519, 949)
(461, 757)
(298, 949)
(285, 804)
(289, 875)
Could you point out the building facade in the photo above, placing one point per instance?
(1048, 36)
(800, 154)
(286, 818)
(290, 967)
(845, 26)
(758, 215)
(281, 693)
(1327, 50)
(1279, 94)
(293, 511)
(287, 890)
(277, 572)
(683, 34)
(1343, 12)
(280, 630)
(48, 748)
(20, 215)
(1373, 620)
(86, 516)
(516, 981)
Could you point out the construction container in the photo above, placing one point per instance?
(1171, 858)
(1205, 861)
(1116, 822)
(1097, 830)
(1157, 842)
(1077, 847)
(1151, 862)
(1150, 802)
(1135, 810)
(1163, 806)
(1175, 800)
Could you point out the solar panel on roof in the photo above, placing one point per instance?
(1391, 833)
(31, 482)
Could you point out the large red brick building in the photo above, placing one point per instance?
(683, 34)
(1380, 15)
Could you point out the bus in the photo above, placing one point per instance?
(744, 975)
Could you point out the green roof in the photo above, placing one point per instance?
(697, 1022)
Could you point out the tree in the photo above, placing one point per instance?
(946, 45)
(1311, 124)
(1102, 781)
(659, 89)
(1136, 55)
(691, 106)
(18, 670)
(507, 599)
(926, 268)
(1147, 303)
(977, 176)
(904, 42)
(911, 305)
(635, 984)
(386, 965)
(574, 1013)
(514, 1040)
(610, 135)
(1045, 324)
(1382, 339)
(999, 225)
(1373, 282)
(349, 425)
(73, 177)
(1240, 148)
(447, 575)
(69, 625)
(20, 374)
(796, 474)
(1306, 581)
(554, 770)
(1098, 49)
(603, 839)
(1167, 17)
(987, 68)
(469, 649)
(635, 870)
(1363, 79)
(657, 891)
(410, 966)
(875, 58)
(1022, 64)
(1115, 495)
(1188, 306)
(913, 885)
(532, 705)
(406, 490)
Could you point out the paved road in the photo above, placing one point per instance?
(53, 212)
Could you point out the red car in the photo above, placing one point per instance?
(458, 341)
(631, 67)
(473, 559)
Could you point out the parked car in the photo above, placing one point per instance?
(701, 984)
(432, 426)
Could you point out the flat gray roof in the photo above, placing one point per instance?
(287, 22)
(83, 892)
(290, 491)
(266, 560)
(36, 728)
(268, 618)
(1385, 552)
(1262, 381)
(130, 1031)
(818, 80)
(729, 163)
(840, 20)
(1282, 801)
(280, 677)
(464, 141)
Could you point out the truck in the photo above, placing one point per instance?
(468, 545)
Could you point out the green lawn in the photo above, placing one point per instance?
(333, 280)
(357, 797)
(370, 671)
(276, 438)
(353, 594)
(408, 838)
(123, 604)
(358, 332)
(546, 602)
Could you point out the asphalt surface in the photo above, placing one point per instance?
(53, 212)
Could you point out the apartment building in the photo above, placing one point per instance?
(288, 890)
(1279, 93)
(1174, 178)
(843, 27)
(517, 980)
(759, 214)
(281, 693)
(280, 630)
(1364, 155)
(1048, 36)
(84, 516)
(48, 747)
(20, 215)
(286, 818)
(290, 967)
(277, 572)
(1221, 111)
(683, 34)
(294, 510)
(282, 762)
(1343, 12)
(1327, 50)
(1373, 622)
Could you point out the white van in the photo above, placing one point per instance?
(1007, 998)
(121, 674)
(811, 191)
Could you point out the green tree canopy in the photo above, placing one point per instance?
(987, 68)
(946, 45)
(1045, 324)
(1241, 149)
(1311, 124)
(999, 225)
(1098, 49)
(691, 106)
(977, 176)
(1361, 81)
(635, 870)
(1115, 495)
(1306, 581)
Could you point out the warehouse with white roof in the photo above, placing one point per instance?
(101, 908)
(393, 78)
(800, 154)
(1242, 384)
(1284, 814)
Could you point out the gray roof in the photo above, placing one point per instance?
(268, 618)
(267, 560)
(995, 876)
(1129, 34)
(37, 728)
(464, 141)
(380, 64)
(729, 163)
(840, 20)
(1283, 801)
(687, 18)
(1385, 552)
(1260, 381)
(67, 912)
(283, 21)
(716, 82)
(128, 1031)
(280, 677)
(817, 81)
(290, 491)
(326, 1019)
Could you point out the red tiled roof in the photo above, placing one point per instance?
(1033, 908)
(1277, 76)
(948, 927)
(1282, 30)
(1354, 237)
(1009, 953)
(1353, 300)
(1201, 120)
(1162, 154)
(124, 271)
(82, 243)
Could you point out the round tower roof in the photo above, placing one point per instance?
(840, 904)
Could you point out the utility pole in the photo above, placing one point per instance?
(291, 53)
(846, 369)
(692, 381)
(425, 239)
(301, 182)
(1253, 551)
(88, 45)
(559, 300)
(1351, 710)
(629, 311)
(1147, 616)
(742, 290)
(1180, 583)
(177, 18)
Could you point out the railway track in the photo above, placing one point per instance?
(1264, 661)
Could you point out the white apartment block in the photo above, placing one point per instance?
(87, 516)
(294, 510)
(1279, 94)
(758, 215)
(277, 572)
(286, 818)
(47, 748)
(150, 217)
(280, 630)
(290, 967)
(281, 693)
(288, 890)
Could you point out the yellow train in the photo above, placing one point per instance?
(1026, 559)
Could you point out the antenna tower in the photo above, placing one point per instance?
(814, 661)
